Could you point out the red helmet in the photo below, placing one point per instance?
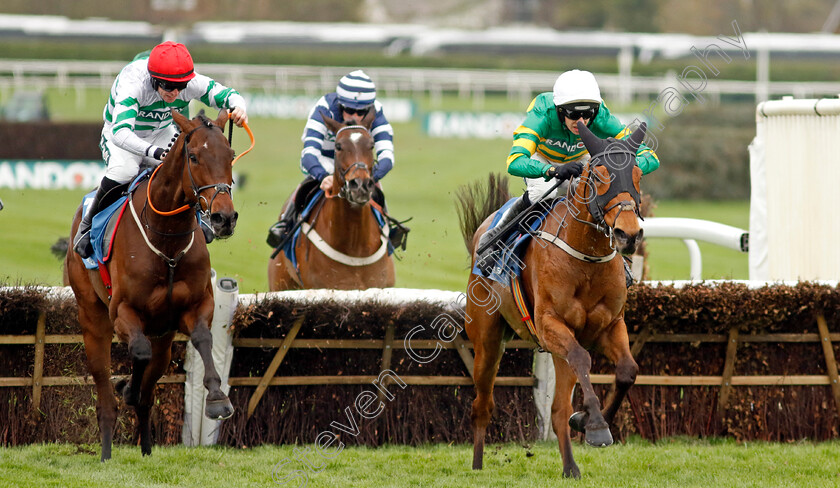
(172, 62)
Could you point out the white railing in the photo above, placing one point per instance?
(316, 80)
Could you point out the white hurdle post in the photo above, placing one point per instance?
(198, 429)
(794, 174)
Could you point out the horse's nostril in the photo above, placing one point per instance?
(620, 234)
(216, 218)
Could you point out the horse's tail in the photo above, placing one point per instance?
(59, 249)
(476, 201)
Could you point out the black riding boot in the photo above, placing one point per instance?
(203, 219)
(277, 232)
(485, 260)
(398, 233)
(628, 274)
(81, 242)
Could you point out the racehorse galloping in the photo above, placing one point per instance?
(341, 244)
(160, 276)
(575, 281)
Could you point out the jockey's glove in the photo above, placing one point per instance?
(159, 153)
(564, 171)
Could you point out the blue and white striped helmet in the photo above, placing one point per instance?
(356, 90)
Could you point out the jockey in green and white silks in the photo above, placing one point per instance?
(545, 137)
(138, 125)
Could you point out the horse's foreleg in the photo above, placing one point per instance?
(616, 346)
(485, 331)
(217, 405)
(98, 333)
(129, 328)
(561, 410)
(560, 341)
(161, 354)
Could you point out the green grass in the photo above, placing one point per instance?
(422, 185)
(637, 463)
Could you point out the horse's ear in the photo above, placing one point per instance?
(179, 119)
(367, 120)
(332, 125)
(638, 136)
(593, 143)
(222, 119)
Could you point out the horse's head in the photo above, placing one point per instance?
(354, 159)
(609, 186)
(208, 175)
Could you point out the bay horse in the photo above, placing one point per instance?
(341, 245)
(160, 275)
(574, 277)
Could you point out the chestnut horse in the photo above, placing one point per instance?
(160, 276)
(341, 244)
(575, 280)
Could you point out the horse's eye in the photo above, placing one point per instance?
(338, 146)
(372, 145)
(193, 159)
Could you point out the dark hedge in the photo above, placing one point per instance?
(421, 414)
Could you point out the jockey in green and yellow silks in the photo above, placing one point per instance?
(547, 146)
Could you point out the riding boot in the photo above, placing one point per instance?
(204, 224)
(628, 274)
(81, 242)
(398, 233)
(485, 261)
(277, 232)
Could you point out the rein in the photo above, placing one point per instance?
(220, 187)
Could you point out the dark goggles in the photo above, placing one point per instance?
(354, 111)
(576, 112)
(170, 86)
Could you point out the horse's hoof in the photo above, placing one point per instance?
(572, 472)
(578, 421)
(599, 438)
(218, 409)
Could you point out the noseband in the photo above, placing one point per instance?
(344, 192)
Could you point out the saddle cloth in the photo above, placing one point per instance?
(508, 262)
(104, 224)
(289, 247)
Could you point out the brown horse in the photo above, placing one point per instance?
(575, 280)
(160, 275)
(341, 246)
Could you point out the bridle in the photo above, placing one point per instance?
(621, 176)
(344, 192)
(197, 190)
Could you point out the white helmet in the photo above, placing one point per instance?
(576, 86)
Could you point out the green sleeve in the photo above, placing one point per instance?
(646, 159)
(608, 125)
(527, 167)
